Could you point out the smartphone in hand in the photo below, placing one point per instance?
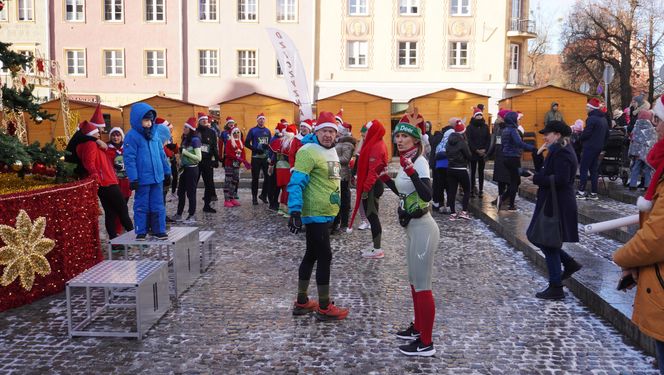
(626, 282)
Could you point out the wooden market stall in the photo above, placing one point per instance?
(534, 105)
(244, 110)
(438, 107)
(48, 130)
(359, 108)
(173, 110)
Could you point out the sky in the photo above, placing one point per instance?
(555, 10)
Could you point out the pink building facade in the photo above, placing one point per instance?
(122, 50)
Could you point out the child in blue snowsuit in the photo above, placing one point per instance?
(147, 169)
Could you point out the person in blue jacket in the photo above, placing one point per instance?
(147, 169)
(593, 138)
(257, 141)
(512, 148)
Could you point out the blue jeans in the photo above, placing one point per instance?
(639, 167)
(554, 258)
(589, 163)
(660, 355)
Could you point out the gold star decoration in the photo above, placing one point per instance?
(24, 250)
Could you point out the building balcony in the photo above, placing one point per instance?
(520, 28)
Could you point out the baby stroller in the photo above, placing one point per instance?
(613, 163)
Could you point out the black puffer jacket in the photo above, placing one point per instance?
(479, 137)
(457, 151)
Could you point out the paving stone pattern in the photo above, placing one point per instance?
(237, 317)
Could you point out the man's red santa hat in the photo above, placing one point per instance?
(88, 128)
(655, 160)
(202, 116)
(593, 103)
(260, 116)
(307, 124)
(191, 123)
(161, 121)
(98, 118)
(279, 128)
(326, 120)
(339, 116)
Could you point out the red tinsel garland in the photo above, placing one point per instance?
(72, 220)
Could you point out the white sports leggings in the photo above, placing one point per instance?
(422, 237)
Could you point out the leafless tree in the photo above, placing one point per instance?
(538, 46)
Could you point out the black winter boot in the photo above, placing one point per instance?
(552, 292)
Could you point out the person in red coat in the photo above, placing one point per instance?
(306, 127)
(114, 153)
(372, 159)
(99, 167)
(234, 156)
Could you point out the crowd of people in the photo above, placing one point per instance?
(309, 170)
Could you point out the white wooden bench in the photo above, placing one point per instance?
(207, 248)
(145, 282)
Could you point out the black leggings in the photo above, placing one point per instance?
(318, 251)
(344, 210)
(502, 188)
(258, 165)
(114, 206)
(207, 172)
(174, 174)
(188, 182)
(439, 185)
(456, 177)
(512, 164)
(371, 210)
(477, 166)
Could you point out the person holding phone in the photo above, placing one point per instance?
(642, 257)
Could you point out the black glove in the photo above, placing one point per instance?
(133, 185)
(167, 180)
(295, 222)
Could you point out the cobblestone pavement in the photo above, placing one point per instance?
(236, 318)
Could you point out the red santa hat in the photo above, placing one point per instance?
(284, 121)
(655, 159)
(477, 112)
(260, 116)
(460, 127)
(292, 129)
(98, 118)
(519, 115)
(339, 116)
(202, 116)
(116, 129)
(307, 124)
(279, 128)
(347, 127)
(191, 123)
(161, 121)
(88, 128)
(326, 120)
(593, 103)
(503, 112)
(229, 120)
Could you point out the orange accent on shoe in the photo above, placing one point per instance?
(333, 312)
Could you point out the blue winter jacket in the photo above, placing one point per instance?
(596, 132)
(145, 160)
(511, 141)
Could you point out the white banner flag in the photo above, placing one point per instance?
(293, 70)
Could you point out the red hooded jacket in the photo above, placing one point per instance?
(96, 163)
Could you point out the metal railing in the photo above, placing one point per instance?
(522, 26)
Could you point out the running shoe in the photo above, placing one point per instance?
(305, 308)
(349, 230)
(373, 254)
(189, 220)
(581, 195)
(453, 217)
(364, 225)
(463, 215)
(161, 236)
(409, 333)
(331, 313)
(236, 202)
(592, 197)
(228, 204)
(416, 348)
(177, 218)
(141, 237)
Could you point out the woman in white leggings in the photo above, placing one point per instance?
(413, 186)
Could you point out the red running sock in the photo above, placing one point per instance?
(427, 313)
(416, 316)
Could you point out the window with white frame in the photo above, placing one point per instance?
(280, 72)
(3, 13)
(247, 63)
(357, 54)
(114, 62)
(286, 10)
(113, 10)
(247, 10)
(357, 8)
(155, 63)
(459, 54)
(30, 54)
(460, 7)
(409, 7)
(74, 10)
(207, 10)
(26, 10)
(407, 54)
(75, 62)
(208, 62)
(154, 10)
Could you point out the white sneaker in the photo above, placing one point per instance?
(373, 254)
(349, 230)
(364, 225)
(189, 220)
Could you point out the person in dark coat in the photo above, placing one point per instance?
(434, 140)
(513, 147)
(500, 174)
(479, 140)
(560, 163)
(593, 138)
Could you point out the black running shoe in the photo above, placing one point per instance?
(416, 348)
(263, 198)
(141, 237)
(409, 333)
(209, 209)
(161, 236)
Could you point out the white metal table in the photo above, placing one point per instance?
(207, 248)
(182, 244)
(144, 280)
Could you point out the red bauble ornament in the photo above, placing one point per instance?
(40, 65)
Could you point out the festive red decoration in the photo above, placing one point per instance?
(40, 65)
(72, 220)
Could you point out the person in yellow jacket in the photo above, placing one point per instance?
(643, 255)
